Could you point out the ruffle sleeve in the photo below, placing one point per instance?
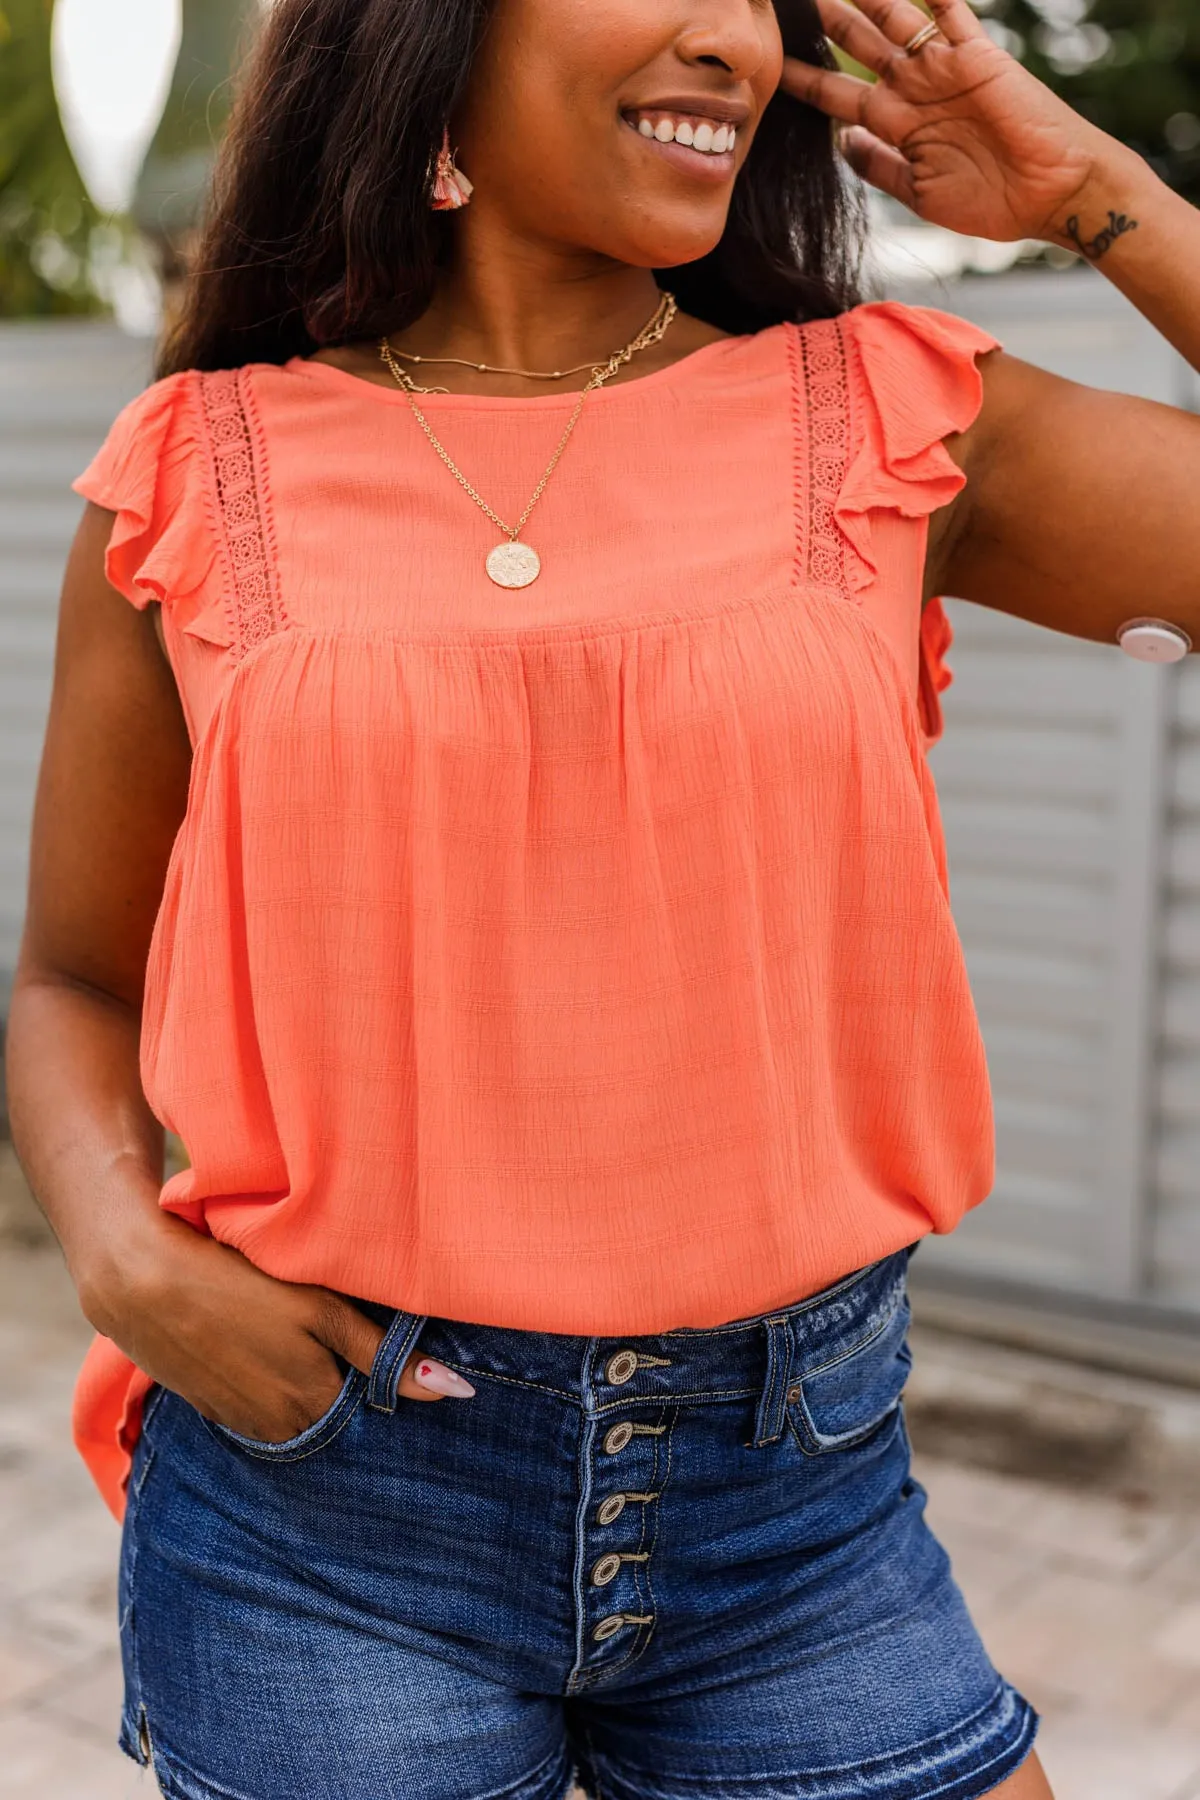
(149, 471)
(915, 382)
(936, 675)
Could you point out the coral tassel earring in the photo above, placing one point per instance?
(451, 188)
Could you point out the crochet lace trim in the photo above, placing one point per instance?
(827, 420)
(255, 608)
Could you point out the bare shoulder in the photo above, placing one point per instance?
(104, 640)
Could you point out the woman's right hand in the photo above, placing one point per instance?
(248, 1351)
(960, 132)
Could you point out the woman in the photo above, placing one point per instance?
(540, 915)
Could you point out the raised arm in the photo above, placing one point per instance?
(1080, 507)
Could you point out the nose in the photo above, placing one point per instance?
(726, 35)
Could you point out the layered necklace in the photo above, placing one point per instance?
(514, 564)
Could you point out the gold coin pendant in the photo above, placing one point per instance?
(513, 564)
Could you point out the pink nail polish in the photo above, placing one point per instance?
(440, 1380)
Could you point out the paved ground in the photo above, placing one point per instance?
(1089, 1600)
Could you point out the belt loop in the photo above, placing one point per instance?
(768, 1423)
(383, 1390)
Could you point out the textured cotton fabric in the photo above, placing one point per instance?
(575, 959)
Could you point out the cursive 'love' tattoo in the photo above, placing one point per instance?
(1095, 248)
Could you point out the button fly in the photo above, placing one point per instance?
(606, 1570)
(621, 1368)
(610, 1509)
(617, 1437)
(608, 1627)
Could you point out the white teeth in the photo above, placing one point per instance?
(704, 137)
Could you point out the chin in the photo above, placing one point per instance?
(671, 249)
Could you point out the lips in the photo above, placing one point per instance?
(697, 133)
(717, 109)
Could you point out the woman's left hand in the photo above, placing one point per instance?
(958, 131)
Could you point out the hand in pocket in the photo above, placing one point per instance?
(254, 1354)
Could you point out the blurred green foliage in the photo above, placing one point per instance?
(46, 217)
(1131, 66)
(55, 246)
(175, 174)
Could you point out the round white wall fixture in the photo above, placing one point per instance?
(1154, 641)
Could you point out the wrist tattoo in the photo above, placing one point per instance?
(1095, 248)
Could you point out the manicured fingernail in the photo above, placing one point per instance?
(440, 1380)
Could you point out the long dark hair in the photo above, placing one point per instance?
(318, 228)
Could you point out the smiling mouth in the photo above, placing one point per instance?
(711, 140)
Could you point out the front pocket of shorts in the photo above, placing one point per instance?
(313, 1438)
(846, 1401)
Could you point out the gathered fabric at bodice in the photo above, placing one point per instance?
(575, 958)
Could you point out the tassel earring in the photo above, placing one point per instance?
(451, 189)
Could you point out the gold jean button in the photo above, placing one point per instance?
(617, 1438)
(608, 1627)
(611, 1509)
(621, 1368)
(606, 1570)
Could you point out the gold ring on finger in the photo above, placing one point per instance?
(925, 36)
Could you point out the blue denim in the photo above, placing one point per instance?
(685, 1567)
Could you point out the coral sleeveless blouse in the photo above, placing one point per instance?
(577, 958)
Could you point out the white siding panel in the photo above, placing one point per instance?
(1028, 776)
(1049, 841)
(1051, 777)
(1183, 861)
(61, 385)
(1175, 1195)
(1034, 761)
(1028, 913)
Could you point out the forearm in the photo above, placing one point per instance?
(255, 1353)
(1145, 239)
(87, 1140)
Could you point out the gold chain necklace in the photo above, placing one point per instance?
(514, 564)
(464, 362)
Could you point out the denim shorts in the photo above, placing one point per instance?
(685, 1567)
